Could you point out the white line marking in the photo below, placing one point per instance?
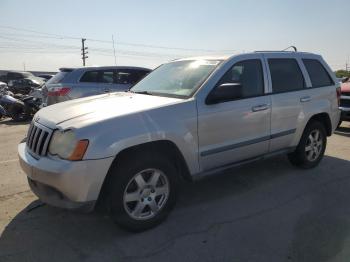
(8, 161)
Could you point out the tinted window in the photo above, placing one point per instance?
(286, 75)
(249, 74)
(318, 74)
(14, 76)
(98, 76)
(90, 77)
(106, 77)
(129, 77)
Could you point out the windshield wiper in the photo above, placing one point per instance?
(141, 92)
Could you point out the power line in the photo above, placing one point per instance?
(119, 43)
(37, 32)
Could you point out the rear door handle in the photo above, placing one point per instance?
(305, 99)
(260, 107)
(106, 90)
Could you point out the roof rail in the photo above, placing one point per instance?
(284, 50)
(292, 46)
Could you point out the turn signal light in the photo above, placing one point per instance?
(79, 150)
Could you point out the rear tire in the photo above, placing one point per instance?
(142, 190)
(311, 147)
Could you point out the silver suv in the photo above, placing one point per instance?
(189, 118)
(71, 83)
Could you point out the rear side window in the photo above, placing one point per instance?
(56, 79)
(106, 77)
(286, 75)
(98, 76)
(14, 76)
(129, 77)
(318, 74)
(90, 77)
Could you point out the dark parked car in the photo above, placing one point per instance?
(15, 75)
(345, 101)
(24, 86)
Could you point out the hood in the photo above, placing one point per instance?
(76, 112)
(345, 87)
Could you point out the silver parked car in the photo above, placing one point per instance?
(71, 83)
(189, 118)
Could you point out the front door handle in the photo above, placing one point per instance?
(106, 90)
(260, 107)
(305, 99)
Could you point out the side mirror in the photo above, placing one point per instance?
(225, 92)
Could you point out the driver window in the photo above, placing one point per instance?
(249, 74)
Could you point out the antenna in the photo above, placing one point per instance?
(115, 57)
(292, 46)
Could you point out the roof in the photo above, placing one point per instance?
(105, 67)
(227, 56)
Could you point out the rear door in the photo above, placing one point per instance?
(288, 93)
(106, 79)
(94, 82)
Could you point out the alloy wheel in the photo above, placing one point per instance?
(146, 194)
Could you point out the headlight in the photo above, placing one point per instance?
(65, 145)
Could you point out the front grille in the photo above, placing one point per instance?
(345, 93)
(38, 139)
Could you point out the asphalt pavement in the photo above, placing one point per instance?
(264, 211)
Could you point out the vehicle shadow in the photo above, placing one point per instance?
(343, 130)
(266, 211)
(10, 122)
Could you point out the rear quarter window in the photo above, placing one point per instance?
(56, 79)
(318, 74)
(90, 77)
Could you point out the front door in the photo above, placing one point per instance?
(236, 130)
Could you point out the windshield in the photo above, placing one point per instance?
(177, 79)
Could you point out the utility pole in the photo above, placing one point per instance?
(83, 50)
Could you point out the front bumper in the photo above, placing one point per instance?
(62, 183)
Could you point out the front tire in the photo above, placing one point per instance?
(339, 124)
(19, 114)
(142, 190)
(311, 147)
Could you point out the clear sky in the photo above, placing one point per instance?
(44, 34)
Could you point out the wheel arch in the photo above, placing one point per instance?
(163, 146)
(324, 119)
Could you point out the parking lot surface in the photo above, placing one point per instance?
(265, 211)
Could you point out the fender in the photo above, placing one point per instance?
(175, 123)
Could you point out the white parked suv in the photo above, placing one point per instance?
(187, 119)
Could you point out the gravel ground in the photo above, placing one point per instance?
(265, 211)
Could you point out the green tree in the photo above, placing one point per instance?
(342, 73)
